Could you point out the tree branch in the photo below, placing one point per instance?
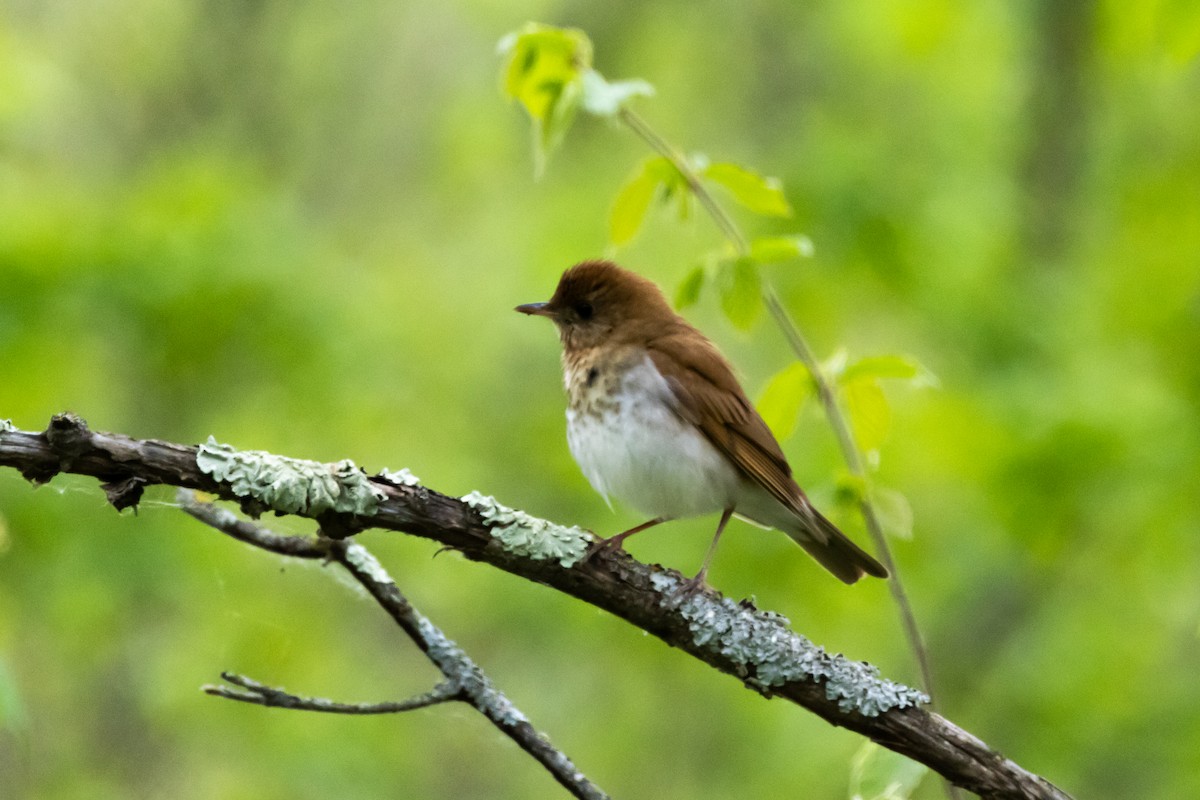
(464, 680)
(755, 647)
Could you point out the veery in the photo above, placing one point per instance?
(656, 419)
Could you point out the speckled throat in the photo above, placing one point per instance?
(592, 377)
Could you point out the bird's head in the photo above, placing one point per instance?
(597, 302)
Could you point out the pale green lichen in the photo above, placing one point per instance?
(290, 485)
(6, 426)
(453, 662)
(401, 478)
(772, 654)
(458, 666)
(530, 536)
(362, 560)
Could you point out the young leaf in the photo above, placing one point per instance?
(604, 98)
(894, 511)
(674, 184)
(551, 130)
(781, 248)
(689, 291)
(544, 74)
(629, 209)
(850, 489)
(869, 413)
(890, 366)
(877, 773)
(783, 398)
(760, 195)
(685, 197)
(665, 172)
(873, 367)
(541, 57)
(741, 291)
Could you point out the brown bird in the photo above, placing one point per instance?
(656, 418)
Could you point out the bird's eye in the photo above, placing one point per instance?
(584, 310)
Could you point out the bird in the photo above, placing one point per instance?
(657, 420)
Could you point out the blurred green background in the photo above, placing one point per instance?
(302, 227)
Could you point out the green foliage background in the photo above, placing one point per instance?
(302, 227)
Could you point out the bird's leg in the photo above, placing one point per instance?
(693, 584)
(615, 542)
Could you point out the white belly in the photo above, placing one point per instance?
(638, 450)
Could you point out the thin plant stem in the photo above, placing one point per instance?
(854, 462)
(833, 412)
(664, 148)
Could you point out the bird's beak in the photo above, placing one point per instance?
(536, 309)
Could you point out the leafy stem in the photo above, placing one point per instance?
(825, 390)
(549, 71)
(657, 143)
(854, 462)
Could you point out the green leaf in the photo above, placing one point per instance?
(894, 511)
(760, 195)
(549, 132)
(869, 413)
(889, 366)
(877, 773)
(540, 58)
(850, 489)
(674, 184)
(684, 196)
(629, 209)
(544, 73)
(634, 198)
(665, 172)
(783, 398)
(781, 248)
(873, 367)
(689, 291)
(604, 98)
(741, 291)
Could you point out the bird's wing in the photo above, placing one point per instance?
(708, 395)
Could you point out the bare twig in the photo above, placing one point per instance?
(464, 679)
(252, 691)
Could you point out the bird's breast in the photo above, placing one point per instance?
(631, 444)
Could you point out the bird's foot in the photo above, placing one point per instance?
(613, 544)
(688, 588)
(610, 545)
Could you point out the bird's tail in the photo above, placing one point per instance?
(833, 550)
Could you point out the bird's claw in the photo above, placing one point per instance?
(687, 588)
(610, 545)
